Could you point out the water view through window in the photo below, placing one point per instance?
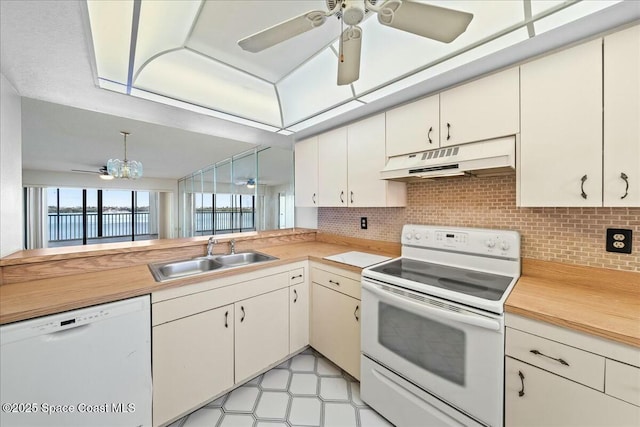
(85, 216)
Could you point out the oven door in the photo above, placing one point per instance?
(451, 351)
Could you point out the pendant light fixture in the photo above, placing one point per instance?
(126, 169)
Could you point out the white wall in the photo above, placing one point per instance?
(11, 218)
(307, 217)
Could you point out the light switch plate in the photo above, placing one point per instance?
(619, 240)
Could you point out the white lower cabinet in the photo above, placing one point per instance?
(192, 361)
(298, 316)
(261, 332)
(212, 336)
(534, 397)
(559, 377)
(336, 327)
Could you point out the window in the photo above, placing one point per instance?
(87, 216)
(223, 213)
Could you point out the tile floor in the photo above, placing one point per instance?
(306, 390)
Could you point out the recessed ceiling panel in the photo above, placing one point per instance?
(111, 33)
(163, 25)
(388, 53)
(198, 109)
(572, 13)
(190, 77)
(222, 23)
(335, 112)
(450, 64)
(312, 88)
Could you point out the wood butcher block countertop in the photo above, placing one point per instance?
(601, 302)
(597, 301)
(29, 299)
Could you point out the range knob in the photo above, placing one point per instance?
(504, 245)
(408, 236)
(417, 236)
(490, 243)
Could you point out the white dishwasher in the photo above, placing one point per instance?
(88, 367)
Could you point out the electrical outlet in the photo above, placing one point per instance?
(363, 222)
(619, 240)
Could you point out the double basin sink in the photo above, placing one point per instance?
(190, 267)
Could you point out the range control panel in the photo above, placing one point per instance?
(479, 241)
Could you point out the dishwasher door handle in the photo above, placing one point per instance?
(67, 333)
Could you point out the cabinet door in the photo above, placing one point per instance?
(335, 328)
(483, 109)
(261, 333)
(298, 316)
(561, 138)
(550, 400)
(413, 127)
(192, 362)
(332, 168)
(306, 172)
(621, 118)
(366, 158)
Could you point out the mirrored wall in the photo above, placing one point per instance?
(252, 191)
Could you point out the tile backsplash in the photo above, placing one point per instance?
(569, 235)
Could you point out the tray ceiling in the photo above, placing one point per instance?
(185, 53)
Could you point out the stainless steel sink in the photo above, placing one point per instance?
(190, 267)
(234, 260)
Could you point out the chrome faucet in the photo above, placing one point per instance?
(210, 245)
(232, 246)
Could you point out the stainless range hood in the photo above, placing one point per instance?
(491, 157)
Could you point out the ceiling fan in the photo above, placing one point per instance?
(102, 172)
(434, 22)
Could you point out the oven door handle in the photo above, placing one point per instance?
(470, 318)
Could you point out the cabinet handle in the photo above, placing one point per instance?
(335, 283)
(352, 197)
(429, 135)
(448, 133)
(521, 375)
(355, 313)
(226, 319)
(342, 197)
(295, 277)
(538, 353)
(314, 198)
(295, 296)
(625, 178)
(243, 315)
(582, 180)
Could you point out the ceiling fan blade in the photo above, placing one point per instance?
(283, 31)
(434, 22)
(349, 56)
(84, 171)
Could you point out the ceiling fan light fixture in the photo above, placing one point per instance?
(106, 176)
(124, 169)
(251, 183)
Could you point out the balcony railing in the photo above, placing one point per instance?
(225, 221)
(68, 226)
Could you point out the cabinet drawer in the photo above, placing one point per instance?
(569, 362)
(623, 381)
(296, 276)
(334, 281)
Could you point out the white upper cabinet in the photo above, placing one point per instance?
(366, 156)
(332, 168)
(561, 137)
(414, 127)
(621, 175)
(306, 173)
(348, 161)
(483, 109)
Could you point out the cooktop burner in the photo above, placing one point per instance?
(470, 282)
